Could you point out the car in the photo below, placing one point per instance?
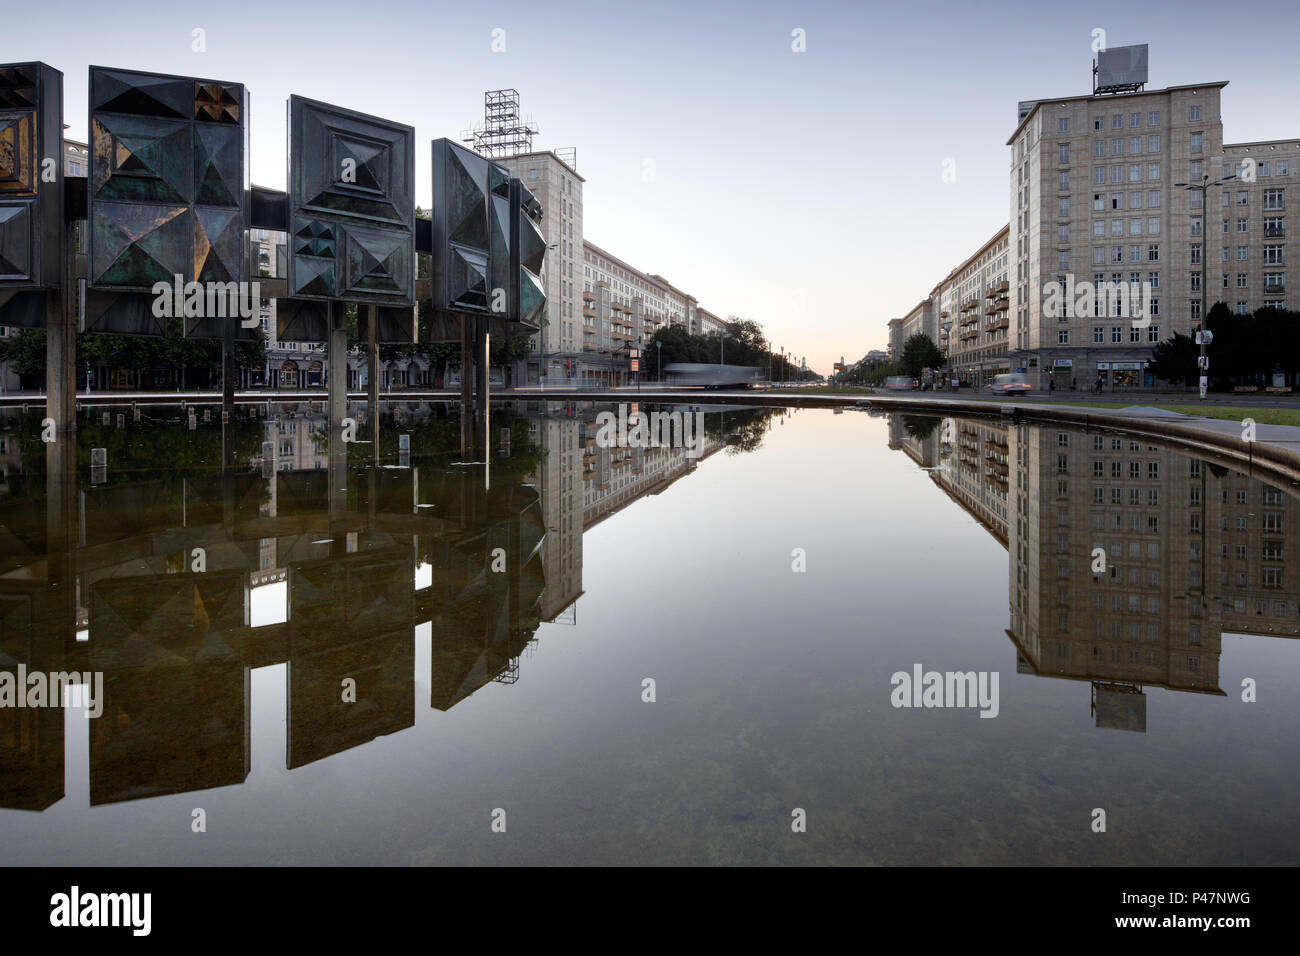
(1014, 383)
(900, 383)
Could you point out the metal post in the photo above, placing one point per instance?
(61, 342)
(466, 363)
(481, 353)
(338, 365)
(372, 380)
(228, 364)
(1202, 370)
(1203, 187)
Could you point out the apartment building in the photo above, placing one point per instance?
(972, 313)
(1098, 204)
(622, 308)
(1146, 619)
(561, 486)
(558, 346)
(1096, 198)
(1259, 256)
(922, 319)
(709, 324)
(965, 315)
(1191, 550)
(895, 339)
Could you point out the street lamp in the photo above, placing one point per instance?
(659, 362)
(1203, 187)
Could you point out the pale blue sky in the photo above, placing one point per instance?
(802, 190)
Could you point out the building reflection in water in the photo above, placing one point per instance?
(201, 553)
(1191, 549)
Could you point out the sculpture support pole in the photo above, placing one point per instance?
(61, 342)
(338, 365)
(228, 364)
(482, 367)
(466, 363)
(372, 380)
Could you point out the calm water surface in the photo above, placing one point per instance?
(500, 621)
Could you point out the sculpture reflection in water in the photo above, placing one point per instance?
(201, 553)
(1128, 558)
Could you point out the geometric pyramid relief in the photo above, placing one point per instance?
(532, 245)
(351, 205)
(312, 276)
(218, 245)
(141, 94)
(314, 238)
(315, 258)
(218, 172)
(15, 241)
(466, 199)
(18, 87)
(532, 298)
(467, 278)
(377, 260)
(141, 160)
(360, 163)
(136, 245)
(216, 103)
(173, 147)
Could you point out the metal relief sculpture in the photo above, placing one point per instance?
(528, 246)
(351, 206)
(31, 176)
(471, 229)
(488, 248)
(168, 179)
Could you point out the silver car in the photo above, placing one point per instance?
(1014, 383)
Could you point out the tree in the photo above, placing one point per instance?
(920, 352)
(920, 427)
(24, 351)
(1174, 359)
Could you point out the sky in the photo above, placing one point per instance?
(802, 189)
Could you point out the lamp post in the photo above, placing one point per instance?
(1203, 187)
(659, 362)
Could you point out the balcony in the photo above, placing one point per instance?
(1275, 232)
